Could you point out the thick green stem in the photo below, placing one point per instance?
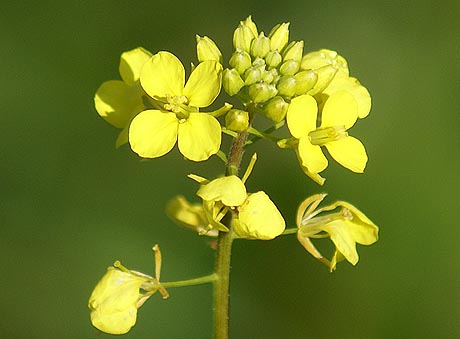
(224, 250)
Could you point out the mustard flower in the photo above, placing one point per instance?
(339, 113)
(256, 216)
(154, 132)
(345, 227)
(118, 101)
(116, 298)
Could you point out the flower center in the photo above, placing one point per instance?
(177, 104)
(322, 136)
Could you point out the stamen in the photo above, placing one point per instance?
(324, 135)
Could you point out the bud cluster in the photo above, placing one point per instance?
(268, 71)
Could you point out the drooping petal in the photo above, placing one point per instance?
(340, 109)
(199, 136)
(117, 102)
(342, 239)
(204, 84)
(301, 116)
(359, 92)
(349, 152)
(122, 137)
(131, 63)
(259, 218)
(229, 190)
(312, 156)
(163, 74)
(153, 133)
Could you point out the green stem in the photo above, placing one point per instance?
(224, 250)
(190, 282)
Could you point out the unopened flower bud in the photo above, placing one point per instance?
(252, 75)
(279, 36)
(293, 51)
(243, 36)
(206, 49)
(261, 92)
(289, 67)
(237, 120)
(273, 58)
(287, 86)
(276, 109)
(269, 76)
(240, 60)
(231, 81)
(325, 76)
(260, 46)
(323, 57)
(252, 26)
(305, 81)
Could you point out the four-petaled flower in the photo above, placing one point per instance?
(154, 132)
(339, 113)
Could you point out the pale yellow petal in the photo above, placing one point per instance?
(204, 84)
(349, 152)
(163, 74)
(301, 116)
(342, 239)
(117, 102)
(153, 133)
(199, 136)
(311, 156)
(340, 109)
(229, 190)
(131, 63)
(122, 137)
(359, 92)
(259, 218)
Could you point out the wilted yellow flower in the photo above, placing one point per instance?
(116, 298)
(256, 216)
(346, 227)
(118, 101)
(339, 113)
(154, 133)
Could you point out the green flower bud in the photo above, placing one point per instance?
(276, 109)
(261, 92)
(305, 81)
(237, 120)
(240, 60)
(287, 86)
(252, 75)
(260, 46)
(231, 81)
(206, 49)
(294, 51)
(243, 36)
(273, 59)
(279, 36)
(269, 76)
(252, 26)
(325, 76)
(289, 67)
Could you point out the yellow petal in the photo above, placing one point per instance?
(199, 136)
(131, 63)
(204, 84)
(342, 239)
(359, 92)
(153, 133)
(311, 156)
(229, 190)
(349, 152)
(122, 137)
(340, 109)
(259, 218)
(301, 116)
(163, 74)
(117, 102)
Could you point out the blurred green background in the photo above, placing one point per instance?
(70, 204)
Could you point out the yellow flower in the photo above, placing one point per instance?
(339, 113)
(116, 298)
(256, 216)
(119, 101)
(345, 227)
(154, 132)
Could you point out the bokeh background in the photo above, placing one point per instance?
(70, 204)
